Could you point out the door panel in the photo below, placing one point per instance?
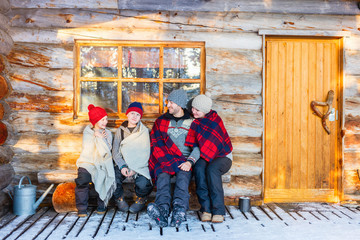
(301, 159)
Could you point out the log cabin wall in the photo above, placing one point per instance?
(6, 169)
(47, 137)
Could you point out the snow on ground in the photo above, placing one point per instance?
(302, 221)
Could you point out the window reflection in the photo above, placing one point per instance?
(102, 94)
(145, 92)
(140, 62)
(182, 63)
(98, 61)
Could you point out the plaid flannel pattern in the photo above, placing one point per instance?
(210, 135)
(165, 155)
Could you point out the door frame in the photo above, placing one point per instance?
(311, 34)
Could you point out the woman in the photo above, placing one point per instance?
(209, 134)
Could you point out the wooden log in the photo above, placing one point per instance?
(7, 173)
(311, 7)
(254, 21)
(5, 87)
(2, 111)
(217, 21)
(45, 122)
(246, 164)
(5, 202)
(106, 4)
(39, 79)
(6, 43)
(353, 42)
(63, 198)
(352, 141)
(6, 154)
(241, 125)
(352, 106)
(352, 86)
(352, 123)
(351, 183)
(233, 83)
(4, 6)
(352, 59)
(44, 143)
(230, 61)
(67, 36)
(43, 162)
(42, 55)
(4, 65)
(351, 160)
(56, 176)
(243, 186)
(246, 144)
(4, 22)
(3, 133)
(45, 101)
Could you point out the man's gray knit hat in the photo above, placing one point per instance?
(203, 102)
(179, 97)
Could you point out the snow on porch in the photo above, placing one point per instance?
(270, 221)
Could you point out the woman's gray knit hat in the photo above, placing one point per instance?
(203, 102)
(179, 97)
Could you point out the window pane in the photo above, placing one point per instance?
(102, 94)
(140, 62)
(192, 90)
(144, 92)
(99, 61)
(182, 63)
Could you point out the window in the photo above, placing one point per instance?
(112, 74)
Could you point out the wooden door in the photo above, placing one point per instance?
(301, 159)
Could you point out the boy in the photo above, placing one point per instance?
(131, 152)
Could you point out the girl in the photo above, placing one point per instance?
(95, 163)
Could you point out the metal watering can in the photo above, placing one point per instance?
(25, 197)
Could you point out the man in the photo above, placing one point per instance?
(170, 157)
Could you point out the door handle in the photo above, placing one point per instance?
(328, 103)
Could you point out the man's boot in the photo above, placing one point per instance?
(159, 214)
(178, 216)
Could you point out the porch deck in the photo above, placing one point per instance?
(262, 222)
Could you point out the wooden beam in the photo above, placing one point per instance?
(275, 6)
(103, 4)
(6, 43)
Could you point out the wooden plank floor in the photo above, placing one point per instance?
(47, 224)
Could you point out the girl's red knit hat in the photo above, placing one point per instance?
(96, 114)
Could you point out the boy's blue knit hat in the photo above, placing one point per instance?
(135, 107)
(179, 97)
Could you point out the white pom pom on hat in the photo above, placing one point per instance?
(203, 102)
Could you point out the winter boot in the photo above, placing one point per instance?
(121, 204)
(178, 216)
(217, 219)
(82, 213)
(206, 217)
(101, 210)
(138, 205)
(159, 214)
